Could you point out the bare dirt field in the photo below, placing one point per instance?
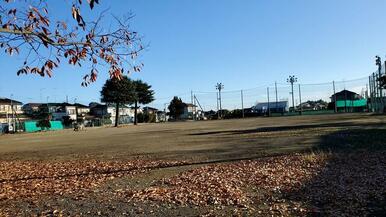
(210, 140)
(286, 166)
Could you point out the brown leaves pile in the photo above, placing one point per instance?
(331, 184)
(322, 184)
(33, 180)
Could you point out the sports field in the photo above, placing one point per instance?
(256, 166)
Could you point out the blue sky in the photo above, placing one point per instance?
(196, 43)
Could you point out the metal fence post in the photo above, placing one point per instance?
(242, 103)
(335, 107)
(268, 102)
(300, 101)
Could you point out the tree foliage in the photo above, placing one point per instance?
(29, 28)
(119, 92)
(176, 107)
(44, 118)
(142, 94)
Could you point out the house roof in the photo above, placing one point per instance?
(80, 105)
(272, 105)
(345, 92)
(33, 104)
(189, 105)
(6, 101)
(149, 108)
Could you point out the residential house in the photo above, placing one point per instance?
(348, 101)
(31, 108)
(190, 111)
(9, 107)
(160, 116)
(149, 110)
(82, 110)
(107, 111)
(313, 105)
(61, 110)
(345, 95)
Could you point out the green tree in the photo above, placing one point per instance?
(44, 118)
(176, 107)
(117, 91)
(141, 94)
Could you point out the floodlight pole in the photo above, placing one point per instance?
(335, 106)
(300, 101)
(378, 62)
(219, 87)
(292, 79)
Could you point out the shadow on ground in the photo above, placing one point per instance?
(287, 128)
(353, 180)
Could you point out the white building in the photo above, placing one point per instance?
(9, 107)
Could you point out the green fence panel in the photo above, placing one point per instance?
(351, 103)
(56, 125)
(30, 126)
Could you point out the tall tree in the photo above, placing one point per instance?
(44, 117)
(119, 92)
(176, 107)
(142, 94)
(44, 41)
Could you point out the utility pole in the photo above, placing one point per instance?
(292, 79)
(268, 113)
(219, 87)
(218, 112)
(276, 108)
(300, 101)
(375, 92)
(165, 104)
(242, 103)
(345, 100)
(378, 62)
(335, 107)
(13, 115)
(370, 94)
(191, 101)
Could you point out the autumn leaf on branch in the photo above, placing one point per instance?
(28, 28)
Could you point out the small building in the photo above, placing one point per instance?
(348, 101)
(9, 107)
(61, 110)
(274, 107)
(162, 116)
(345, 95)
(149, 110)
(107, 111)
(83, 110)
(190, 110)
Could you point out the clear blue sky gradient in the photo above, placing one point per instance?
(196, 43)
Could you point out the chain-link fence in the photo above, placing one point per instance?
(376, 93)
(334, 96)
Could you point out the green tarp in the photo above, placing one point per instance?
(30, 126)
(351, 103)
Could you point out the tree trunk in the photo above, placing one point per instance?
(116, 114)
(135, 113)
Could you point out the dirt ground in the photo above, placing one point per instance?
(193, 141)
(279, 166)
